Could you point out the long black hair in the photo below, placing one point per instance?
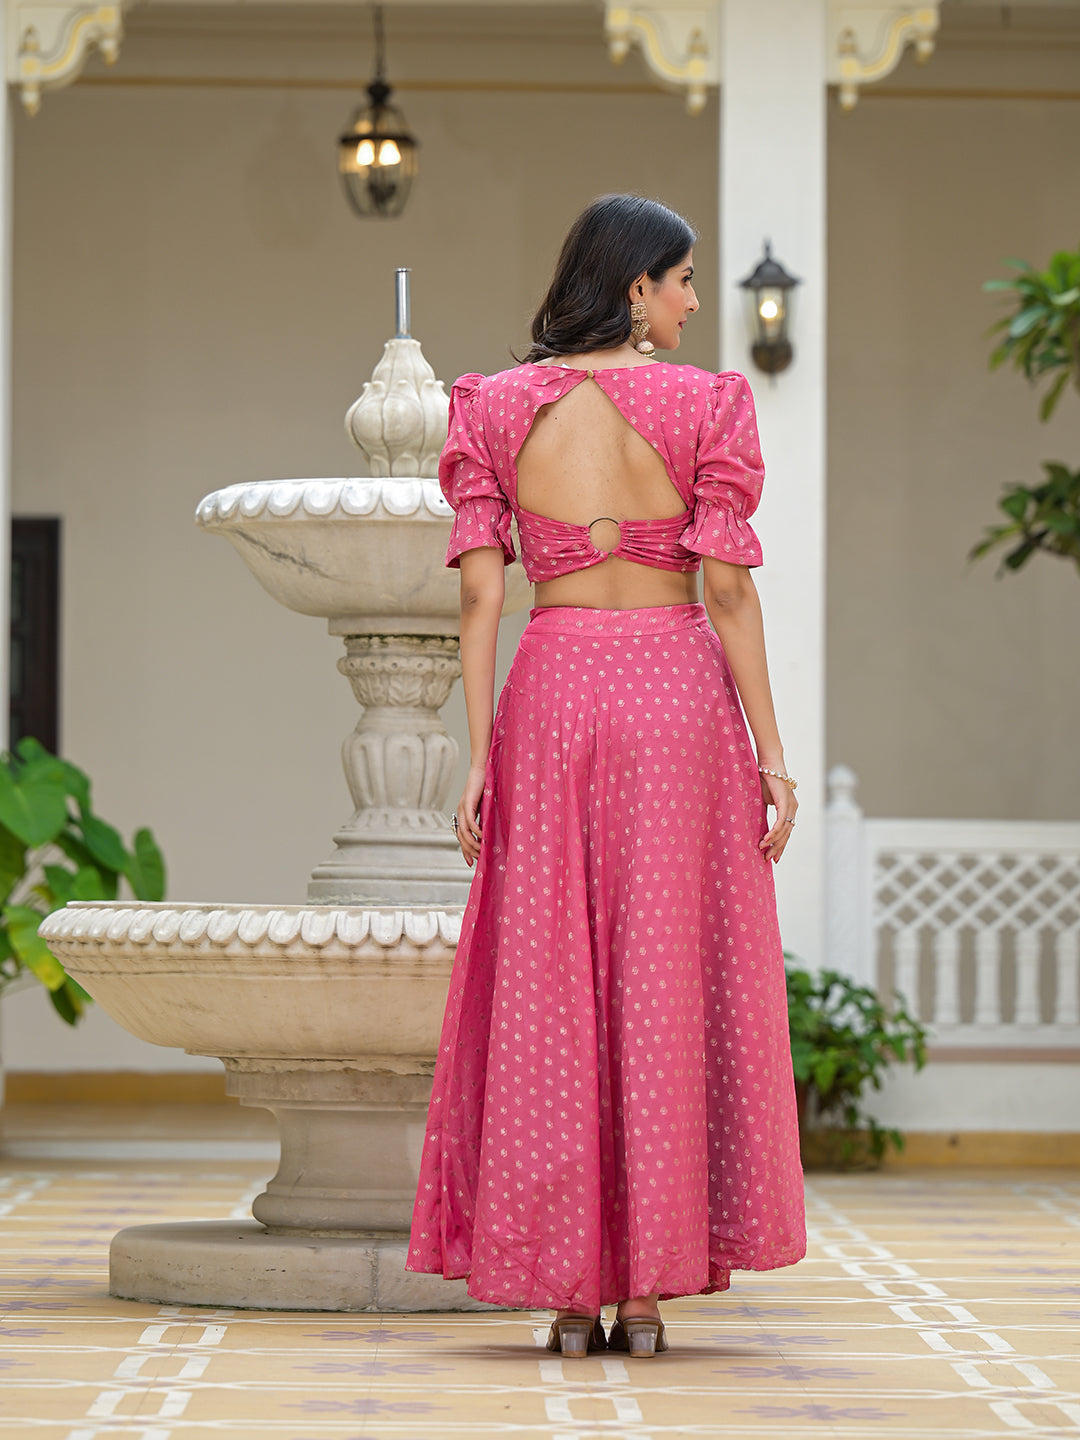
(609, 245)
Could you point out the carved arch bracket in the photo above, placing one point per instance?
(680, 42)
(48, 43)
(867, 41)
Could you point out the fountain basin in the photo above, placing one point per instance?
(271, 982)
(367, 554)
(330, 1018)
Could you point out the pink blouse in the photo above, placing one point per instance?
(701, 425)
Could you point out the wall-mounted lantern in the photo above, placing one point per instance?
(768, 290)
(377, 154)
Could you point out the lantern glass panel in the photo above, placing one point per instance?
(771, 313)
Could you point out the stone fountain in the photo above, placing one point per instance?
(327, 1013)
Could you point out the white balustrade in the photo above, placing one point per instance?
(976, 923)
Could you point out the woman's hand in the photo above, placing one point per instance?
(468, 815)
(779, 793)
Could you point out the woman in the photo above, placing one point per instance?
(613, 1115)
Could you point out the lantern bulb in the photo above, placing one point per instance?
(389, 154)
(365, 153)
(769, 309)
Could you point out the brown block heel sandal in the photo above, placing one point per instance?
(639, 1338)
(577, 1336)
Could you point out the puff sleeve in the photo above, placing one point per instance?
(468, 481)
(728, 476)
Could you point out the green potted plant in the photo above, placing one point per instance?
(1042, 338)
(53, 848)
(843, 1039)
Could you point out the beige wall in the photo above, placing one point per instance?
(950, 692)
(196, 306)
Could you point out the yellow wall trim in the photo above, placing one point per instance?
(530, 87)
(923, 1148)
(987, 1147)
(438, 87)
(930, 1149)
(115, 1087)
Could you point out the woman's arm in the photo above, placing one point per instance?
(731, 599)
(483, 589)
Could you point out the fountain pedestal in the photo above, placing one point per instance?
(399, 764)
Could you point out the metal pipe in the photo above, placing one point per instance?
(402, 292)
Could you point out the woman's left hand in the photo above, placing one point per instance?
(780, 794)
(468, 815)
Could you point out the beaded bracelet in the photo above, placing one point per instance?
(764, 770)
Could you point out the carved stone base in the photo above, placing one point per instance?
(236, 1263)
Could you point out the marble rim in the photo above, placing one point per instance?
(313, 926)
(384, 496)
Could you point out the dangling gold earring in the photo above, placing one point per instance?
(639, 328)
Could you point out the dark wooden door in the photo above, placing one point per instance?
(34, 695)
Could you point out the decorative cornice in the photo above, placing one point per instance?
(293, 932)
(867, 41)
(383, 497)
(48, 43)
(680, 43)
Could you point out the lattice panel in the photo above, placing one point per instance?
(981, 939)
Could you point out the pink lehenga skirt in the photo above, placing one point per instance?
(613, 1110)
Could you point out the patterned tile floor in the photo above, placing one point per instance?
(932, 1304)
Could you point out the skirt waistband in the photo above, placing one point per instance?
(652, 620)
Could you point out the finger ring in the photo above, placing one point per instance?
(453, 823)
(791, 822)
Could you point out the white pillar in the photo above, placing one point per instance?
(7, 146)
(772, 185)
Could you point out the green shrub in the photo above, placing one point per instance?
(1042, 338)
(843, 1039)
(53, 849)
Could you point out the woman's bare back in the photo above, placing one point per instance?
(584, 464)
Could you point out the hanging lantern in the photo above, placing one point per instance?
(377, 154)
(768, 290)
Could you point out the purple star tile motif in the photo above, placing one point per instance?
(371, 1368)
(375, 1337)
(25, 1332)
(1034, 1270)
(742, 1313)
(828, 1413)
(52, 1262)
(14, 1307)
(773, 1337)
(798, 1373)
(984, 1235)
(49, 1282)
(9, 1364)
(366, 1406)
(954, 1220)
